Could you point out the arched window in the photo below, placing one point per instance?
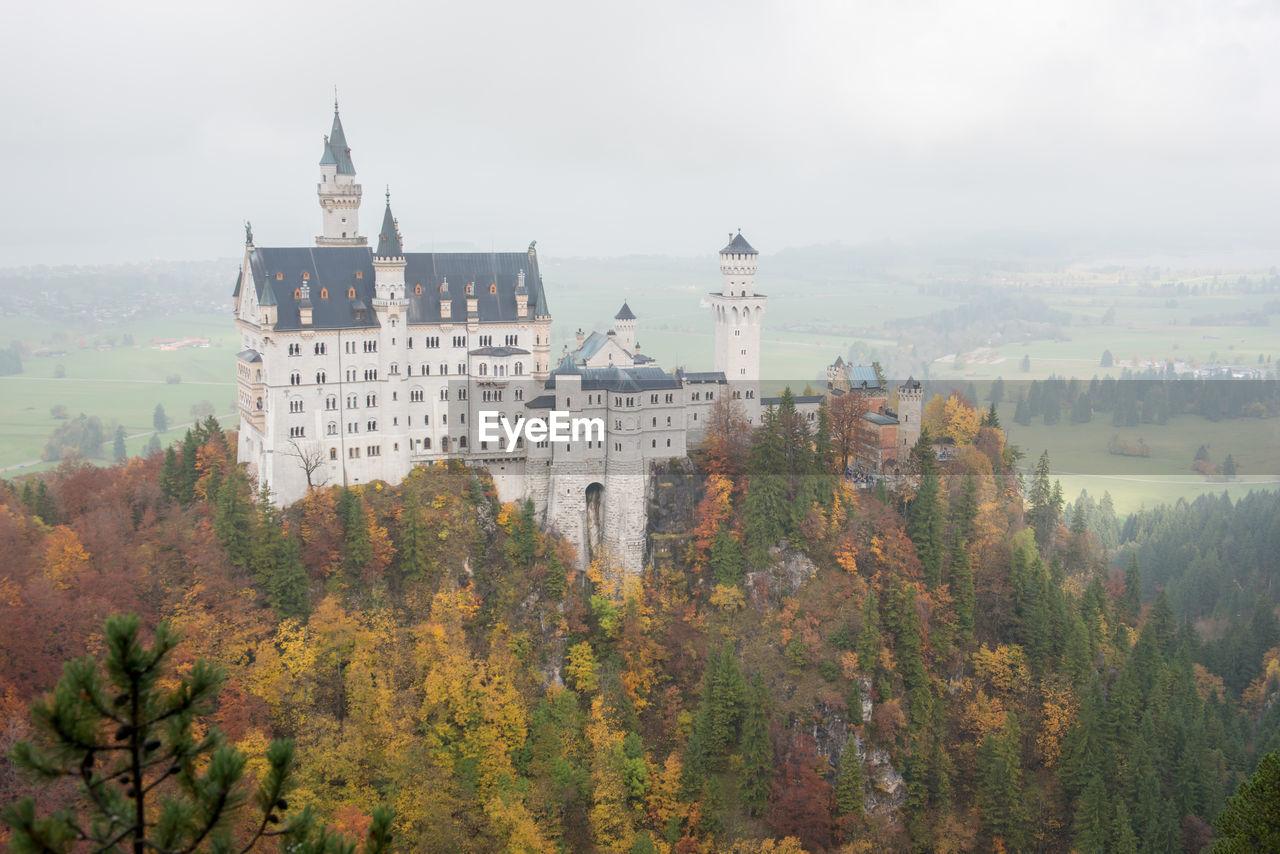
(324, 294)
(484, 369)
(493, 289)
(333, 453)
(306, 277)
(297, 293)
(426, 443)
(331, 428)
(417, 290)
(351, 293)
(519, 369)
(320, 377)
(295, 378)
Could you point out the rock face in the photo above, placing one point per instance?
(675, 488)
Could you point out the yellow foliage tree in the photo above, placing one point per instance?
(64, 557)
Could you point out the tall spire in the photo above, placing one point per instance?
(336, 145)
(389, 237)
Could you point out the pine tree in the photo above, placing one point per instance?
(153, 444)
(868, 646)
(231, 517)
(358, 549)
(159, 420)
(150, 777)
(171, 474)
(726, 558)
(756, 749)
(999, 787)
(851, 782)
(413, 547)
(118, 450)
(1133, 588)
(924, 527)
(276, 563)
(1251, 820)
(188, 473)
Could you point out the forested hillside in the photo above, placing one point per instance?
(806, 667)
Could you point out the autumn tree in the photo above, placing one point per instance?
(848, 427)
(728, 438)
(151, 775)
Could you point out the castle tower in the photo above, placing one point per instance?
(910, 415)
(338, 191)
(388, 265)
(624, 323)
(739, 315)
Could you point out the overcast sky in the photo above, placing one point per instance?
(153, 130)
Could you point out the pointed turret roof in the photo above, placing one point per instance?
(268, 295)
(738, 245)
(336, 150)
(624, 313)
(389, 238)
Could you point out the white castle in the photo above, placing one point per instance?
(358, 364)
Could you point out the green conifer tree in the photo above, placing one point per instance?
(150, 778)
(756, 749)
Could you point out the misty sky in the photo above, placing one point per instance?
(152, 130)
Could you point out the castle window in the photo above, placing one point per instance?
(668, 420)
(297, 432)
(444, 394)
(359, 274)
(417, 290)
(519, 394)
(297, 293)
(333, 453)
(279, 277)
(462, 441)
(306, 277)
(324, 293)
(444, 444)
(353, 402)
(372, 426)
(426, 443)
(668, 443)
(330, 402)
(351, 293)
(331, 428)
(653, 443)
(295, 378)
(493, 289)
(321, 349)
(320, 377)
(370, 400)
(353, 453)
(484, 369)
(426, 370)
(395, 368)
(415, 395)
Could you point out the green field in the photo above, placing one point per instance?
(121, 385)
(1079, 457)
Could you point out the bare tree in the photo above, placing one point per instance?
(311, 458)
(728, 440)
(848, 427)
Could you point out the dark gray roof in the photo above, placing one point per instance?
(239, 279)
(624, 313)
(701, 376)
(337, 150)
(642, 359)
(249, 355)
(911, 382)
(498, 351)
(542, 401)
(799, 398)
(389, 237)
(877, 418)
(738, 245)
(334, 269)
(862, 376)
(590, 346)
(614, 378)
